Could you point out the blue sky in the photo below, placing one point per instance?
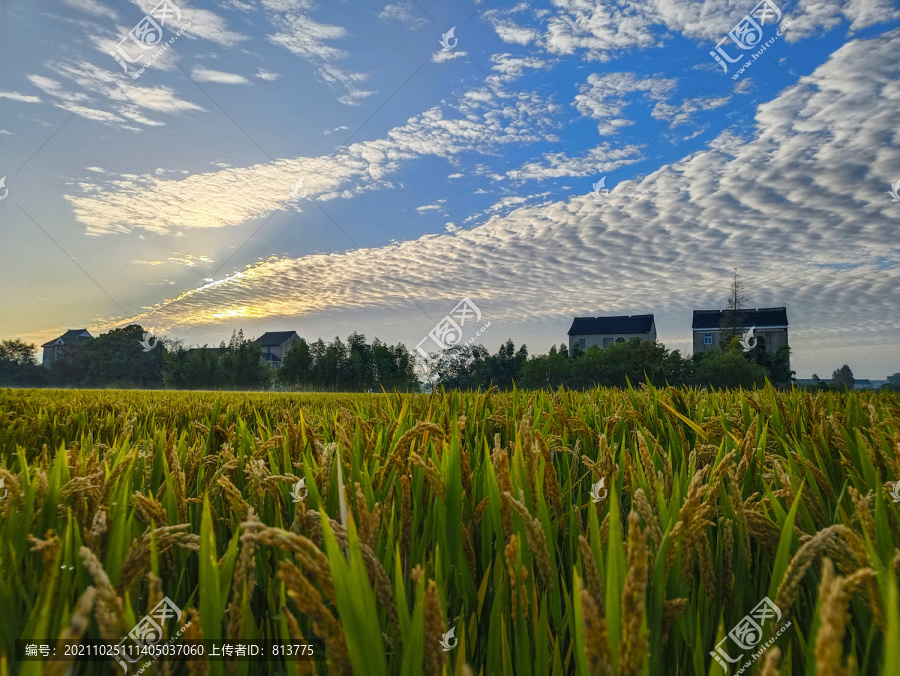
(432, 175)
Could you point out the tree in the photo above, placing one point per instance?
(732, 321)
(118, 359)
(722, 370)
(843, 377)
(296, 367)
(18, 365)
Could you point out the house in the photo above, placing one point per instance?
(275, 344)
(604, 331)
(711, 327)
(68, 343)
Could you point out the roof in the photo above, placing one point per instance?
(70, 337)
(774, 317)
(605, 325)
(270, 338)
(213, 350)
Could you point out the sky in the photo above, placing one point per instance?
(330, 167)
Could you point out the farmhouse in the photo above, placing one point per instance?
(711, 327)
(275, 344)
(68, 343)
(604, 331)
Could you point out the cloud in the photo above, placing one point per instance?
(202, 74)
(799, 205)
(603, 97)
(92, 7)
(303, 36)
(128, 103)
(188, 260)
(204, 23)
(208, 200)
(22, 98)
(598, 160)
(403, 12)
(602, 31)
(443, 55)
(263, 74)
(683, 112)
(437, 206)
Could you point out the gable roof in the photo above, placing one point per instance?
(622, 324)
(271, 338)
(212, 350)
(774, 317)
(70, 337)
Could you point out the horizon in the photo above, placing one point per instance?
(293, 164)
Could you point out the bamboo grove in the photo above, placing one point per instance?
(609, 532)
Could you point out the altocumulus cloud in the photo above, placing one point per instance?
(796, 206)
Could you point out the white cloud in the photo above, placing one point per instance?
(204, 23)
(603, 30)
(603, 97)
(202, 74)
(403, 13)
(22, 98)
(266, 75)
(301, 35)
(437, 206)
(128, 103)
(600, 159)
(92, 7)
(444, 55)
(789, 206)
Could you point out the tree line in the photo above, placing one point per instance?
(633, 362)
(120, 359)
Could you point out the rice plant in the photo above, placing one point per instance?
(623, 532)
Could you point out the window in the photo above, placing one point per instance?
(581, 343)
(607, 342)
(707, 339)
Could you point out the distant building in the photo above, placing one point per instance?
(604, 331)
(769, 323)
(68, 343)
(275, 344)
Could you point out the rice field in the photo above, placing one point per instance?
(626, 532)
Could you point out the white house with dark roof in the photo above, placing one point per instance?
(68, 343)
(275, 344)
(769, 323)
(587, 332)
